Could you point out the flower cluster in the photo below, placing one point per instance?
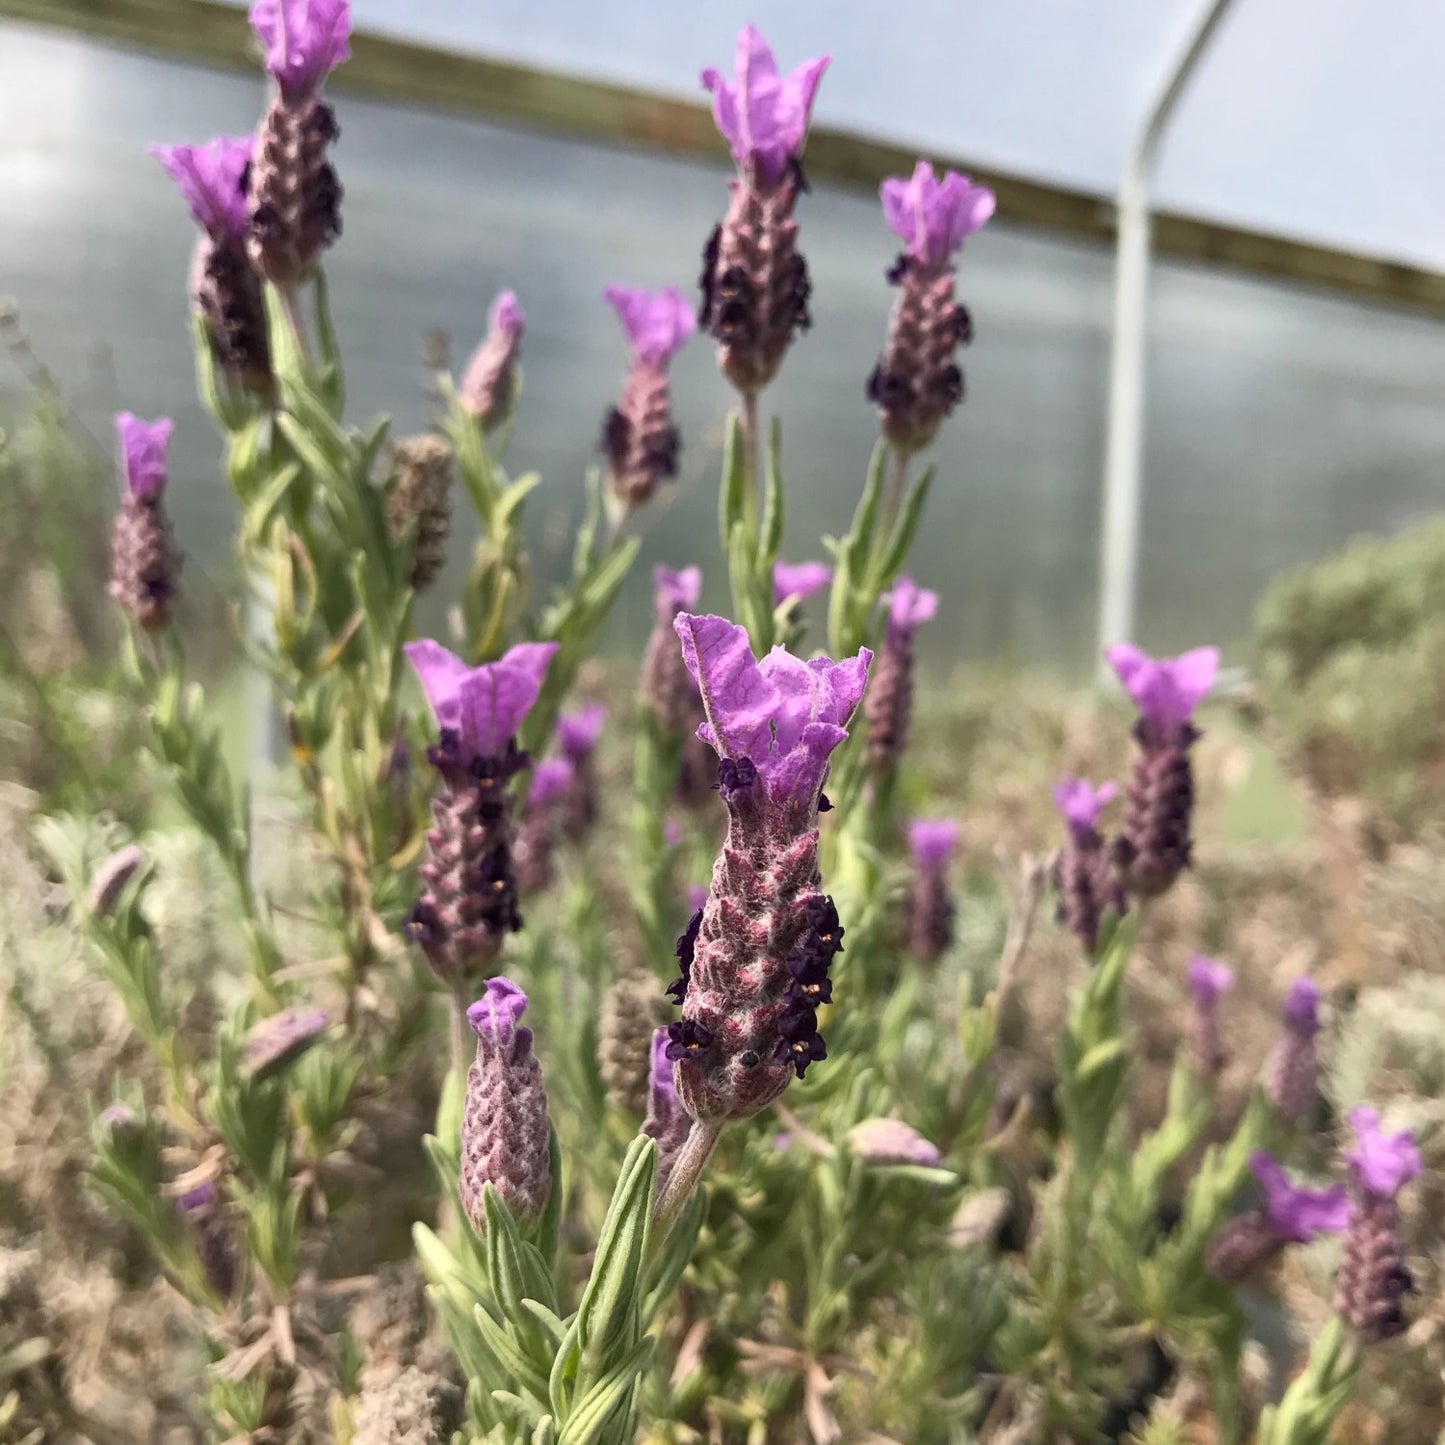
(930, 904)
(1290, 1214)
(889, 708)
(916, 382)
(1083, 871)
(488, 388)
(469, 903)
(755, 285)
(144, 562)
(755, 959)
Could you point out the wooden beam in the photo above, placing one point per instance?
(206, 33)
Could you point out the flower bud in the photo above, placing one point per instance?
(281, 1039)
(1291, 1073)
(489, 386)
(113, 876)
(667, 1121)
(891, 1141)
(889, 708)
(506, 1136)
(930, 904)
(144, 562)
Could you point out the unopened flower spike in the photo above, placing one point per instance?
(638, 438)
(891, 1141)
(577, 735)
(295, 197)
(225, 288)
(488, 389)
(930, 901)
(1290, 1214)
(534, 851)
(1373, 1278)
(755, 285)
(1083, 871)
(203, 1214)
(917, 382)
(1292, 1072)
(505, 1128)
(667, 688)
(797, 581)
(420, 501)
(755, 960)
(469, 898)
(1155, 845)
(889, 708)
(1209, 981)
(144, 563)
(281, 1039)
(632, 1010)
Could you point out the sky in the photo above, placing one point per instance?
(1318, 119)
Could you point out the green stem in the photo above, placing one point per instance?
(897, 485)
(684, 1177)
(751, 471)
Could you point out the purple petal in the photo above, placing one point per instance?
(494, 1016)
(676, 591)
(578, 732)
(1299, 1214)
(738, 700)
(1209, 979)
(1382, 1163)
(442, 674)
(211, 178)
(935, 217)
(908, 606)
(932, 840)
(657, 323)
(799, 580)
(497, 696)
(661, 1083)
(1302, 1006)
(761, 114)
(550, 780)
(305, 40)
(201, 1197)
(1167, 690)
(143, 448)
(1081, 803)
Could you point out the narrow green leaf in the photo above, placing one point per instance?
(596, 1409)
(731, 495)
(891, 562)
(773, 507)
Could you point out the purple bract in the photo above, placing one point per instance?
(798, 581)
(578, 732)
(1081, 802)
(143, 453)
(305, 40)
(484, 706)
(932, 840)
(657, 323)
(935, 216)
(494, 1016)
(1167, 690)
(212, 179)
(1209, 979)
(1382, 1163)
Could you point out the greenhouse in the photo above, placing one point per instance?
(876, 578)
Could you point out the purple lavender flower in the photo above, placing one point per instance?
(294, 193)
(930, 903)
(469, 902)
(667, 1121)
(111, 879)
(891, 1141)
(889, 708)
(144, 560)
(577, 734)
(202, 1213)
(1292, 1071)
(281, 1039)
(488, 388)
(755, 283)
(1083, 870)
(798, 581)
(1155, 847)
(755, 962)
(1209, 981)
(638, 437)
(1291, 1214)
(533, 852)
(505, 1128)
(916, 382)
(1373, 1278)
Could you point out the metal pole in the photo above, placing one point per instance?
(1123, 447)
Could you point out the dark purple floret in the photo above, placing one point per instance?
(687, 1038)
(686, 946)
(734, 776)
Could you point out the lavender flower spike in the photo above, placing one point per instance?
(1291, 1214)
(1292, 1071)
(144, 560)
(755, 285)
(281, 1039)
(891, 1141)
(1083, 870)
(537, 835)
(638, 437)
(1209, 981)
(1155, 846)
(1373, 1278)
(889, 708)
(667, 1121)
(505, 1128)
(295, 196)
(916, 382)
(488, 388)
(666, 686)
(225, 290)
(469, 899)
(930, 904)
(755, 961)
(798, 581)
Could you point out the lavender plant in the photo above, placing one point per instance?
(798, 1201)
